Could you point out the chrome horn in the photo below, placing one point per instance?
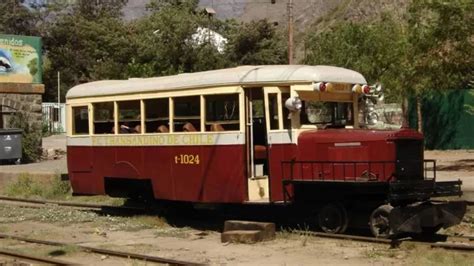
(375, 96)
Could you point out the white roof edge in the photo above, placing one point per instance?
(251, 75)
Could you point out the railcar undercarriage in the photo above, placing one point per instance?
(388, 208)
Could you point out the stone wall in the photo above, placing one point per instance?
(16, 97)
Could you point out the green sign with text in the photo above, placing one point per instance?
(20, 59)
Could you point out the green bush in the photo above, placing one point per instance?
(31, 136)
(26, 186)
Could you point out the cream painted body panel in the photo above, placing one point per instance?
(258, 189)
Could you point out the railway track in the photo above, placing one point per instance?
(30, 259)
(77, 205)
(108, 252)
(394, 242)
(397, 242)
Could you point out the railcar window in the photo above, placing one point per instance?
(273, 106)
(327, 114)
(80, 124)
(187, 114)
(286, 113)
(157, 115)
(129, 117)
(222, 112)
(103, 118)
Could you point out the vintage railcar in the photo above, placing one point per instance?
(293, 135)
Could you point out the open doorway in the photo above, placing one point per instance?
(257, 145)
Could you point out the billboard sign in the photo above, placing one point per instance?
(20, 59)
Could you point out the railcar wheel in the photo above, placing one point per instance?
(332, 218)
(379, 222)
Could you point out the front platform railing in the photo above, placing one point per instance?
(354, 170)
(404, 179)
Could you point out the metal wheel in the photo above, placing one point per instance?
(332, 218)
(379, 221)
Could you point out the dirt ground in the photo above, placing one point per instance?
(455, 165)
(153, 236)
(458, 163)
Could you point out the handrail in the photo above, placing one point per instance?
(325, 170)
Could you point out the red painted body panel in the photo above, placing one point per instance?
(356, 135)
(353, 145)
(279, 153)
(219, 177)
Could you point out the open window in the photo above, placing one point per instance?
(187, 114)
(157, 115)
(103, 118)
(222, 112)
(129, 117)
(80, 121)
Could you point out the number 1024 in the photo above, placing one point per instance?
(186, 159)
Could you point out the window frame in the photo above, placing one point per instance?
(185, 118)
(280, 105)
(341, 96)
(222, 122)
(73, 120)
(114, 118)
(119, 120)
(145, 116)
(92, 104)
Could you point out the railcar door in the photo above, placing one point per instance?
(257, 145)
(281, 139)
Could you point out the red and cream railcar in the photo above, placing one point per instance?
(268, 134)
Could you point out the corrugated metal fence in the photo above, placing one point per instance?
(54, 117)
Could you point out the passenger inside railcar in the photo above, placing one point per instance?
(162, 129)
(125, 128)
(217, 127)
(188, 127)
(137, 129)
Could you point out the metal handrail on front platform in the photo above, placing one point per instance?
(358, 172)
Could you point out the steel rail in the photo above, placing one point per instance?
(345, 237)
(72, 204)
(114, 253)
(26, 257)
(453, 246)
(455, 237)
(391, 242)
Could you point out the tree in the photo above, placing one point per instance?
(86, 42)
(165, 43)
(440, 53)
(16, 18)
(431, 49)
(256, 43)
(374, 49)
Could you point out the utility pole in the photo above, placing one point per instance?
(290, 32)
(58, 123)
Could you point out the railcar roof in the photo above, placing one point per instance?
(242, 75)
